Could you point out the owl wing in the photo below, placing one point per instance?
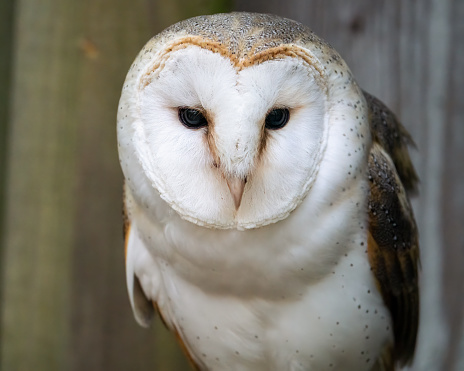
(136, 255)
(393, 247)
(142, 307)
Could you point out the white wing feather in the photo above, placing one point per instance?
(135, 253)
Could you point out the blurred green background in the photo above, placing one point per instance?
(63, 301)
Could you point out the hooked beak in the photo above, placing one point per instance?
(236, 186)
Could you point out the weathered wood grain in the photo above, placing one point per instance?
(39, 190)
(6, 42)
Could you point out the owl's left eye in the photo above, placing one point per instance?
(192, 118)
(277, 118)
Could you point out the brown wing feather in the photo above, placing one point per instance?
(394, 138)
(393, 242)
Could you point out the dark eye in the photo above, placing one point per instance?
(277, 118)
(192, 118)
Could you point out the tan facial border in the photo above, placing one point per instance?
(281, 51)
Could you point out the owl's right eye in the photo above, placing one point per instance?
(192, 118)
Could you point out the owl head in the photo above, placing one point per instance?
(232, 120)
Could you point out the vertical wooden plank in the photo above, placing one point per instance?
(453, 190)
(39, 187)
(6, 48)
(105, 335)
(436, 38)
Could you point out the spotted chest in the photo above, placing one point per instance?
(301, 330)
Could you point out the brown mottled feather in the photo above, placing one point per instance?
(393, 246)
(394, 138)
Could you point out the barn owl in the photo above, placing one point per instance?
(266, 211)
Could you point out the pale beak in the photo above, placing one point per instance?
(236, 187)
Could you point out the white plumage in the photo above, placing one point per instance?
(251, 240)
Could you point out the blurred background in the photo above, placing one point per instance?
(63, 301)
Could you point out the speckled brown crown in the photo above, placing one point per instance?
(246, 39)
(246, 34)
